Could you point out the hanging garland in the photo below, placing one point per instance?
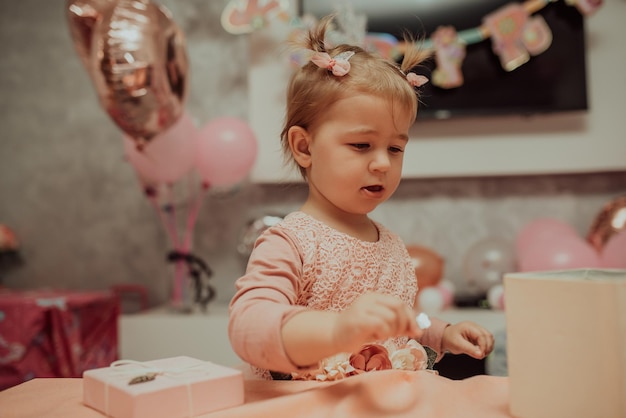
(516, 33)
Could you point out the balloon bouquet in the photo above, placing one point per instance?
(550, 244)
(136, 58)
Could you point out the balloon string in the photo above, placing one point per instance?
(167, 215)
(193, 216)
(169, 224)
(185, 248)
(180, 268)
(170, 208)
(171, 231)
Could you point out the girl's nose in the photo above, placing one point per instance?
(380, 162)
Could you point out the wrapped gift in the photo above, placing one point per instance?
(55, 333)
(566, 343)
(168, 388)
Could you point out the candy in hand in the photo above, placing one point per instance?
(423, 321)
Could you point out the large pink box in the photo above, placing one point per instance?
(566, 343)
(183, 387)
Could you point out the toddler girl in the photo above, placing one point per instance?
(329, 292)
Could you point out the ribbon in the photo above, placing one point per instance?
(143, 367)
(338, 65)
(196, 266)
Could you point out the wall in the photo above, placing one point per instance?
(81, 217)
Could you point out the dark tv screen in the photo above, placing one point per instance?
(553, 81)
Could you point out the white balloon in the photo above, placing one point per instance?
(431, 300)
(447, 289)
(448, 285)
(495, 296)
(486, 262)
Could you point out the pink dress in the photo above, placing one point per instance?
(303, 263)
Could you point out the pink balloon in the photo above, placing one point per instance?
(167, 157)
(447, 293)
(614, 251)
(559, 253)
(226, 151)
(540, 230)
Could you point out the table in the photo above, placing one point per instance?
(55, 333)
(389, 393)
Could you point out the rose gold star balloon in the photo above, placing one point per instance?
(82, 16)
(610, 221)
(137, 60)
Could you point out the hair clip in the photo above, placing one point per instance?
(416, 80)
(338, 65)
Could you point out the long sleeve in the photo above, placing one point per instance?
(264, 301)
(433, 336)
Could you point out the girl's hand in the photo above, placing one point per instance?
(373, 317)
(467, 338)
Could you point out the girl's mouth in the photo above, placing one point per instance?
(374, 189)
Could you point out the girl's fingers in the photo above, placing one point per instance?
(386, 316)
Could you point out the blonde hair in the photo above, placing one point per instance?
(313, 89)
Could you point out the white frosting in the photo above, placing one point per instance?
(423, 321)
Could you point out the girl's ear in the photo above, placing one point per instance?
(299, 144)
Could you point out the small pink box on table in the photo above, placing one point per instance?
(166, 388)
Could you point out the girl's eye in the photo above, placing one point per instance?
(361, 146)
(395, 150)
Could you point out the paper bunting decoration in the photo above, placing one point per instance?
(449, 56)
(537, 35)
(514, 34)
(506, 27)
(246, 16)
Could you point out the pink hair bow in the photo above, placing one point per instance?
(416, 80)
(338, 65)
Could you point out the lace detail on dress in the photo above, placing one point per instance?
(338, 268)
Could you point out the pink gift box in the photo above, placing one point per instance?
(183, 387)
(566, 343)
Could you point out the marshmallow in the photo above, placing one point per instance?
(423, 321)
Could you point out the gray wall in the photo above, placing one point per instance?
(84, 223)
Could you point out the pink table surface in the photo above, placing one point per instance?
(389, 393)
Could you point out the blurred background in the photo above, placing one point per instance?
(83, 221)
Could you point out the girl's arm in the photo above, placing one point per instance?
(311, 336)
(265, 299)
